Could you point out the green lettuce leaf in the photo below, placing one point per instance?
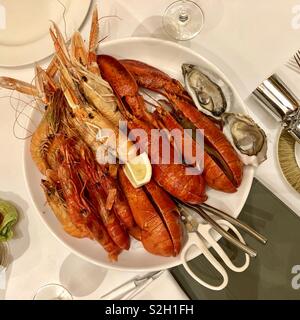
(8, 218)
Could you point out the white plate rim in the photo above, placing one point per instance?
(171, 264)
(35, 53)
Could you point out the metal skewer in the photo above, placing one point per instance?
(201, 210)
(252, 253)
(235, 222)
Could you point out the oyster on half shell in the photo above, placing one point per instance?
(206, 93)
(249, 140)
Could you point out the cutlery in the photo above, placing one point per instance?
(142, 287)
(292, 65)
(199, 235)
(294, 62)
(281, 102)
(202, 211)
(297, 58)
(131, 288)
(225, 216)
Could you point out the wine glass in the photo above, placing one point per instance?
(183, 20)
(53, 292)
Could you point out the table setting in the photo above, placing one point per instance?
(74, 227)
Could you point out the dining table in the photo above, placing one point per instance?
(248, 41)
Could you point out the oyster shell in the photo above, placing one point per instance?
(205, 91)
(249, 140)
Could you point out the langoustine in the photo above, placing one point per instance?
(101, 199)
(59, 208)
(158, 218)
(45, 133)
(212, 173)
(221, 149)
(82, 213)
(114, 208)
(171, 177)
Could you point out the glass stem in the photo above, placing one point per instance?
(183, 15)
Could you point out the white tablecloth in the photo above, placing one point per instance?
(248, 40)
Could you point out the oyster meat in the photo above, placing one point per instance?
(249, 140)
(206, 93)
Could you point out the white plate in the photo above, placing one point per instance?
(168, 57)
(24, 27)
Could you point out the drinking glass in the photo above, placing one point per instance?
(183, 20)
(53, 292)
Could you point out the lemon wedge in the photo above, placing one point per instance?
(139, 170)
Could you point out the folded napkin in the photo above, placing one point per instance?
(8, 218)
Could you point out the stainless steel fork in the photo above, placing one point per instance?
(294, 62)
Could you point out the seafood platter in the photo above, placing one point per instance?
(95, 208)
